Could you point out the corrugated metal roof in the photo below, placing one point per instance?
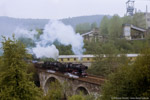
(138, 28)
(87, 33)
(75, 56)
(89, 56)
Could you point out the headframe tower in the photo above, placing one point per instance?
(130, 7)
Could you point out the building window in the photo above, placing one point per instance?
(68, 59)
(61, 59)
(75, 59)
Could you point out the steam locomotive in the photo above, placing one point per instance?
(74, 69)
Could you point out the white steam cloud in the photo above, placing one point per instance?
(64, 34)
(48, 52)
(56, 30)
(19, 32)
(53, 31)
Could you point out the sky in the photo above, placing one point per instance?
(58, 9)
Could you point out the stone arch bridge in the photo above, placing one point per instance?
(88, 85)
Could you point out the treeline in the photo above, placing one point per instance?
(85, 27)
(112, 31)
(112, 26)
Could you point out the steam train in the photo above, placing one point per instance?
(70, 68)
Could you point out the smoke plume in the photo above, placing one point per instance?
(20, 32)
(48, 52)
(53, 31)
(64, 34)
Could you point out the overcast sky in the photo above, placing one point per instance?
(57, 9)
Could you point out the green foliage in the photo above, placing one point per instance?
(124, 46)
(34, 73)
(27, 42)
(104, 25)
(139, 20)
(127, 20)
(115, 27)
(64, 50)
(82, 97)
(129, 80)
(83, 28)
(106, 65)
(15, 83)
(47, 59)
(94, 25)
(89, 47)
(55, 92)
(76, 97)
(40, 32)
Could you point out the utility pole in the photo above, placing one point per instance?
(146, 17)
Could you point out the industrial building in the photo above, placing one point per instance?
(93, 35)
(131, 32)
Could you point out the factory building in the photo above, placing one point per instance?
(131, 32)
(93, 35)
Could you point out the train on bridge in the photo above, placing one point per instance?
(70, 69)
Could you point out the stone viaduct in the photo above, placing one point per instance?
(88, 85)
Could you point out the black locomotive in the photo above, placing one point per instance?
(75, 69)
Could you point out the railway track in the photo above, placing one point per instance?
(89, 79)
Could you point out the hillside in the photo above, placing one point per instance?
(8, 24)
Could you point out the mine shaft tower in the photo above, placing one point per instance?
(130, 7)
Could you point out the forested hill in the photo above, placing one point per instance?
(83, 19)
(8, 24)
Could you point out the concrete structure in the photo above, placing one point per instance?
(88, 85)
(93, 35)
(131, 32)
(147, 15)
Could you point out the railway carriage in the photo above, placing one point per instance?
(88, 59)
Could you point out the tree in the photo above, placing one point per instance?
(115, 27)
(83, 28)
(55, 92)
(93, 25)
(127, 19)
(40, 32)
(139, 20)
(64, 50)
(15, 83)
(76, 97)
(28, 42)
(108, 64)
(130, 80)
(104, 25)
(82, 97)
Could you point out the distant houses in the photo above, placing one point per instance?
(93, 35)
(130, 32)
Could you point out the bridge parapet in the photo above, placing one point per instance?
(89, 84)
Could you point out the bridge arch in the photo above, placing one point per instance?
(82, 89)
(49, 80)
